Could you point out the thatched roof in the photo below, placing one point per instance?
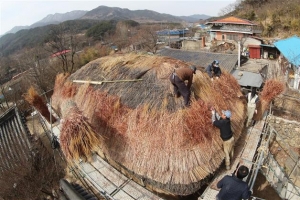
(146, 130)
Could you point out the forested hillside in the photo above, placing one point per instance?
(28, 38)
(277, 18)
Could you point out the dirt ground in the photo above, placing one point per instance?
(263, 189)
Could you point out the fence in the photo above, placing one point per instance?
(284, 179)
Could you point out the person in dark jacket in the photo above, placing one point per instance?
(178, 78)
(233, 187)
(223, 123)
(213, 70)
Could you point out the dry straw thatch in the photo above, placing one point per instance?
(145, 129)
(271, 89)
(78, 137)
(38, 103)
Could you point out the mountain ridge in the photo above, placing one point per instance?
(51, 19)
(121, 13)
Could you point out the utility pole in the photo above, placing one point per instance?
(239, 54)
(169, 39)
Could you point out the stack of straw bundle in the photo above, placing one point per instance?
(77, 135)
(271, 89)
(38, 103)
(146, 131)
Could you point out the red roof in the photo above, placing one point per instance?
(232, 20)
(59, 53)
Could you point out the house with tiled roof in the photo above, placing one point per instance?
(232, 28)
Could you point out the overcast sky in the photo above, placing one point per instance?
(23, 13)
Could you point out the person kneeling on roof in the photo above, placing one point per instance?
(213, 70)
(178, 78)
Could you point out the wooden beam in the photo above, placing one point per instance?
(100, 82)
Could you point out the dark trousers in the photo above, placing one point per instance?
(181, 88)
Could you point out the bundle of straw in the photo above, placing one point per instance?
(78, 138)
(272, 88)
(227, 86)
(198, 121)
(63, 89)
(36, 101)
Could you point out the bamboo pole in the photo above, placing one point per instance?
(100, 82)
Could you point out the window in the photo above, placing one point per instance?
(234, 37)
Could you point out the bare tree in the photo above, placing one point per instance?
(62, 43)
(121, 38)
(147, 37)
(230, 8)
(37, 68)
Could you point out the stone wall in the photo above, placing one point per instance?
(286, 145)
(191, 45)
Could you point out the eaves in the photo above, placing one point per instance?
(228, 31)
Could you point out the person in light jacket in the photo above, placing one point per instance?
(252, 102)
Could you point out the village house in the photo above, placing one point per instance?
(232, 28)
(172, 38)
(289, 59)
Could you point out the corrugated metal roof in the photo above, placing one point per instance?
(290, 48)
(172, 32)
(232, 20)
(246, 78)
(267, 45)
(203, 59)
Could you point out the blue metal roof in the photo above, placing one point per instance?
(172, 32)
(290, 48)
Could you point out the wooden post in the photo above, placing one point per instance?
(100, 82)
